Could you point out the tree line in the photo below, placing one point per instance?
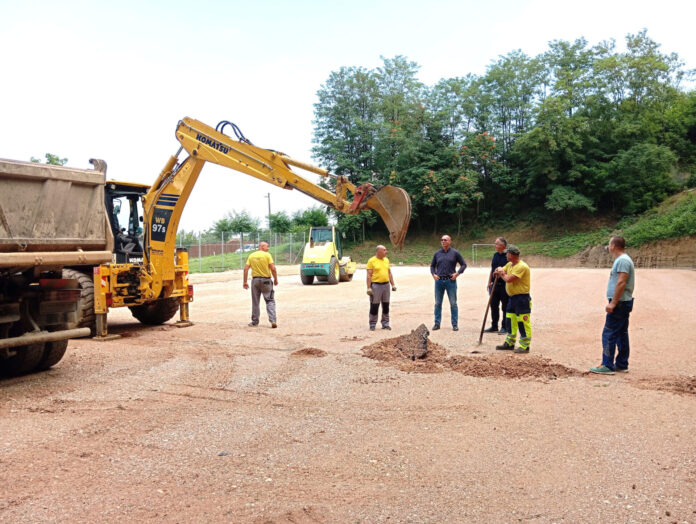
(235, 222)
(575, 130)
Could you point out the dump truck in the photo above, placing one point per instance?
(52, 224)
(323, 258)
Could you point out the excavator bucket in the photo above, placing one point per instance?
(394, 206)
(391, 203)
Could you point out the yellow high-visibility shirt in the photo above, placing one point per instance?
(260, 262)
(521, 286)
(380, 269)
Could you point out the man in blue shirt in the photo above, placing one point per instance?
(499, 296)
(443, 268)
(622, 279)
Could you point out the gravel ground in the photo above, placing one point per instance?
(321, 421)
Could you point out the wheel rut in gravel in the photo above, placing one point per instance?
(679, 385)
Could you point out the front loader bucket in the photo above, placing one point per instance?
(394, 206)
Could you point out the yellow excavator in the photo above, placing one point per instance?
(149, 274)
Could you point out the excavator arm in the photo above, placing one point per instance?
(166, 199)
(211, 145)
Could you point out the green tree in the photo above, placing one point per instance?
(186, 238)
(314, 216)
(235, 222)
(280, 222)
(356, 227)
(576, 129)
(510, 88)
(563, 199)
(569, 72)
(453, 102)
(680, 129)
(51, 159)
(640, 177)
(345, 123)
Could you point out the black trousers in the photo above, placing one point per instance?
(500, 298)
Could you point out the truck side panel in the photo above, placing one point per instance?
(52, 209)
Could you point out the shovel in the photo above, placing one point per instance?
(488, 306)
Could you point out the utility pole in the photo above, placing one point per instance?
(268, 196)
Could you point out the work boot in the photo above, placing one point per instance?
(455, 328)
(274, 325)
(386, 327)
(505, 346)
(435, 327)
(491, 329)
(372, 328)
(253, 324)
(502, 331)
(521, 350)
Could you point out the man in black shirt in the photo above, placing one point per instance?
(499, 296)
(443, 268)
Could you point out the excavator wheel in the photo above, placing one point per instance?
(85, 306)
(53, 352)
(157, 312)
(307, 279)
(24, 361)
(334, 272)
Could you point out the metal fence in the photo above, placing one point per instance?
(232, 250)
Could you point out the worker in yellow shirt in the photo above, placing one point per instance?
(262, 267)
(516, 275)
(379, 281)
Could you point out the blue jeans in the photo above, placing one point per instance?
(615, 334)
(451, 287)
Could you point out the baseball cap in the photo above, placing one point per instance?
(512, 249)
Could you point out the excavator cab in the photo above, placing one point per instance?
(125, 211)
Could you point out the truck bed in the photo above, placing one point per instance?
(52, 216)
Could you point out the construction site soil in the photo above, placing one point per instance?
(322, 420)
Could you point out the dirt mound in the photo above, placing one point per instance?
(309, 353)
(509, 366)
(393, 351)
(679, 385)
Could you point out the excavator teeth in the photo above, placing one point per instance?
(394, 206)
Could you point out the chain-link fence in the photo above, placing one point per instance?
(231, 250)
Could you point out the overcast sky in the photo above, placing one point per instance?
(111, 79)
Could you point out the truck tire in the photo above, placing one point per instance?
(24, 361)
(307, 280)
(157, 312)
(334, 272)
(85, 306)
(53, 352)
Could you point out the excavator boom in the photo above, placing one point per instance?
(204, 143)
